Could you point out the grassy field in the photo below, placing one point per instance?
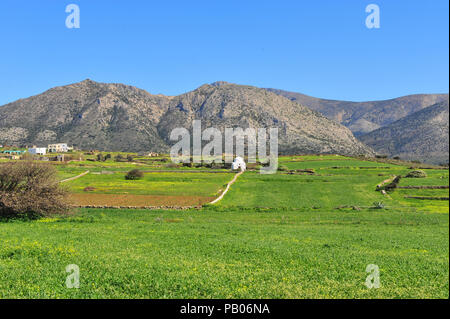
(154, 189)
(227, 254)
(185, 184)
(272, 236)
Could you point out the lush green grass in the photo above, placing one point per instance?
(272, 236)
(342, 163)
(65, 172)
(186, 184)
(434, 177)
(281, 190)
(226, 253)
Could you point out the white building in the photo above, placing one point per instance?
(58, 148)
(238, 163)
(37, 150)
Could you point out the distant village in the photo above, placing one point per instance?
(14, 153)
(53, 152)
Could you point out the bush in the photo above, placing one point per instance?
(217, 165)
(31, 189)
(134, 175)
(27, 157)
(190, 164)
(118, 158)
(379, 205)
(283, 168)
(129, 158)
(416, 174)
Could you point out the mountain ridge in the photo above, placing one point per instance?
(114, 116)
(364, 117)
(422, 135)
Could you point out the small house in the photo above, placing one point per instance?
(13, 152)
(58, 148)
(37, 150)
(238, 163)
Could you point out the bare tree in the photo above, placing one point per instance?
(31, 189)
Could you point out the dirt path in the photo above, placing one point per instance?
(226, 189)
(73, 178)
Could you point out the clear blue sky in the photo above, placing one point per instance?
(321, 48)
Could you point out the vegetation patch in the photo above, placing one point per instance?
(134, 174)
(268, 234)
(30, 189)
(228, 253)
(416, 174)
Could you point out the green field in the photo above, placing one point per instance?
(272, 236)
(185, 184)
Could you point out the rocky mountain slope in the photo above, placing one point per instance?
(222, 105)
(420, 136)
(102, 116)
(88, 114)
(364, 117)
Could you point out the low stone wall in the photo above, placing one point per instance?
(389, 184)
(423, 187)
(138, 207)
(301, 172)
(427, 197)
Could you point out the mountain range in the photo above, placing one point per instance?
(115, 117)
(421, 136)
(412, 127)
(106, 116)
(364, 117)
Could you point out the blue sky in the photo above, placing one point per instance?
(321, 48)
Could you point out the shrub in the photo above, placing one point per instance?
(134, 175)
(190, 164)
(217, 165)
(416, 174)
(379, 205)
(27, 157)
(118, 158)
(129, 158)
(31, 189)
(283, 168)
(68, 158)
